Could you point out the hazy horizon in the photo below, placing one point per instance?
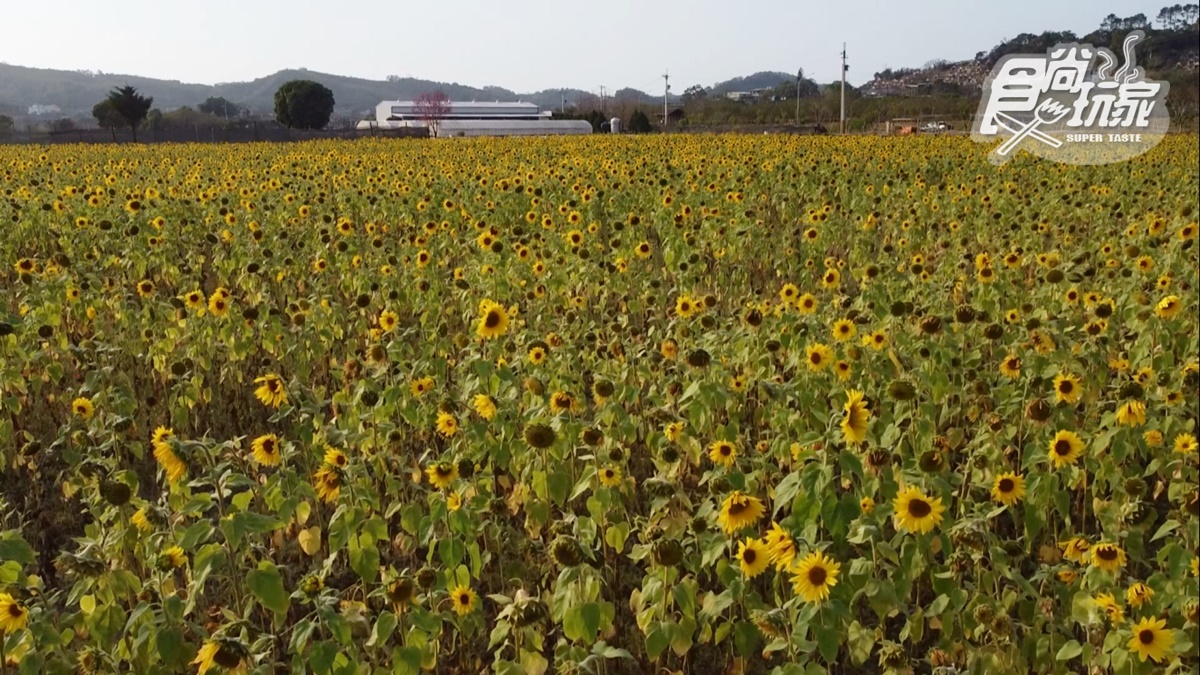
(617, 45)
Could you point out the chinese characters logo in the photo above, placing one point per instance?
(1073, 105)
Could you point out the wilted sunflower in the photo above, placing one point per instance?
(1111, 608)
(270, 390)
(753, 557)
(1067, 388)
(1076, 549)
(738, 511)
(13, 614)
(1065, 448)
(83, 408)
(781, 546)
(1132, 414)
(447, 425)
(1108, 557)
(165, 455)
(1151, 639)
(1008, 488)
(172, 558)
(854, 422)
(328, 483)
(462, 598)
(814, 576)
(493, 320)
(723, 453)
(916, 512)
(1138, 594)
(442, 474)
(266, 450)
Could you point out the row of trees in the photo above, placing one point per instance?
(299, 104)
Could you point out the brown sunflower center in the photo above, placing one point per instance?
(464, 598)
(1146, 636)
(15, 611)
(268, 446)
(736, 508)
(815, 358)
(817, 576)
(749, 556)
(919, 508)
(1062, 448)
(1066, 387)
(1107, 553)
(1006, 485)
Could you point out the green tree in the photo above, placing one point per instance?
(107, 117)
(639, 123)
(303, 104)
(131, 106)
(219, 106)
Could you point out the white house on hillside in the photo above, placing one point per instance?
(472, 118)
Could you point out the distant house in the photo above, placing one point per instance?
(38, 109)
(674, 116)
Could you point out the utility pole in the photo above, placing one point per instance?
(799, 76)
(562, 106)
(666, 92)
(844, 69)
(602, 108)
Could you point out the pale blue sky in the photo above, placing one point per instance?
(523, 45)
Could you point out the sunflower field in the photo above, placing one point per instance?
(675, 404)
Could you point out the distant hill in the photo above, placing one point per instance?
(761, 80)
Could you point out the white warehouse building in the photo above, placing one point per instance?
(471, 118)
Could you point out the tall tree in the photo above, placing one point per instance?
(131, 106)
(303, 104)
(639, 123)
(432, 107)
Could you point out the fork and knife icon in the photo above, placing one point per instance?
(1049, 112)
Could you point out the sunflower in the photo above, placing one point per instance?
(876, 340)
(643, 250)
(781, 546)
(818, 357)
(421, 386)
(388, 320)
(1153, 438)
(328, 483)
(493, 320)
(916, 512)
(141, 520)
(170, 462)
(844, 330)
(194, 300)
(1067, 388)
(447, 426)
(1167, 308)
(1132, 414)
(1138, 594)
(669, 349)
(814, 575)
(1111, 607)
(807, 304)
(685, 306)
(172, 558)
(753, 557)
(831, 278)
(218, 304)
(266, 450)
(610, 476)
(1186, 444)
(484, 405)
(462, 598)
(673, 431)
(536, 355)
(1076, 549)
(335, 458)
(1065, 448)
(843, 370)
(1108, 557)
(1008, 489)
(145, 288)
(854, 423)
(723, 453)
(739, 511)
(789, 293)
(563, 402)
(1010, 367)
(13, 615)
(1151, 639)
(83, 408)
(270, 390)
(442, 474)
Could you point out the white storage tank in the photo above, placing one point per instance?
(614, 125)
